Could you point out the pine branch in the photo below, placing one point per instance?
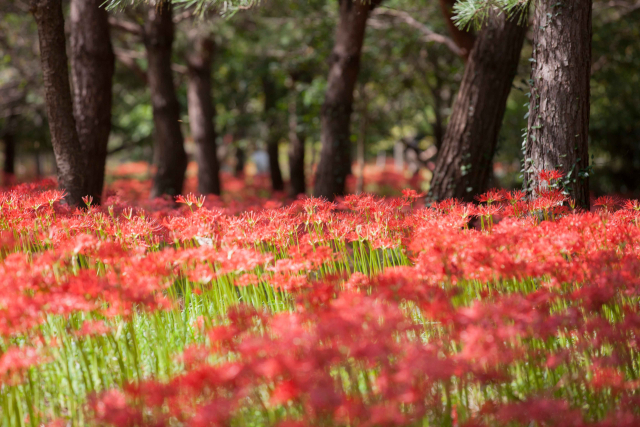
(428, 35)
(473, 13)
(199, 7)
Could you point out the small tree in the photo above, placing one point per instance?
(201, 114)
(272, 94)
(170, 157)
(335, 158)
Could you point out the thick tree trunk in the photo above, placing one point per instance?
(201, 116)
(464, 162)
(170, 157)
(273, 134)
(559, 109)
(464, 39)
(92, 64)
(62, 125)
(335, 158)
(296, 150)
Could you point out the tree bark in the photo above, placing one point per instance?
(335, 157)
(362, 138)
(296, 149)
(38, 162)
(464, 39)
(240, 161)
(9, 138)
(201, 115)
(464, 162)
(62, 125)
(559, 109)
(273, 135)
(92, 65)
(170, 157)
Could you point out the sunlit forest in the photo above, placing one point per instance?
(320, 213)
(268, 68)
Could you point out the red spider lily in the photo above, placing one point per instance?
(15, 362)
(609, 203)
(514, 196)
(549, 200)
(631, 205)
(609, 378)
(524, 310)
(550, 175)
(112, 409)
(191, 200)
(411, 195)
(491, 196)
(92, 328)
(246, 280)
(488, 210)
(542, 411)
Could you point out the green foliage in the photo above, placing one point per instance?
(474, 13)
(615, 83)
(225, 7)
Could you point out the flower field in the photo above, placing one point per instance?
(368, 312)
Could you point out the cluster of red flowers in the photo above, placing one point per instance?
(369, 311)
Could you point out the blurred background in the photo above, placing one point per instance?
(269, 74)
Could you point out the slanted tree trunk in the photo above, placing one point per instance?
(296, 149)
(201, 115)
(559, 108)
(464, 39)
(273, 133)
(335, 157)
(92, 65)
(170, 157)
(464, 162)
(57, 92)
(438, 124)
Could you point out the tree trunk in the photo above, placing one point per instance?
(62, 125)
(92, 65)
(438, 124)
(559, 108)
(362, 138)
(464, 162)
(240, 160)
(273, 135)
(38, 162)
(296, 149)
(201, 115)
(170, 157)
(9, 138)
(464, 39)
(335, 158)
